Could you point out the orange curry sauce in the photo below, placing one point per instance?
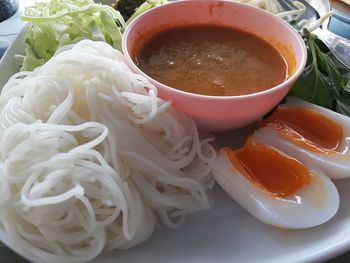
(307, 128)
(212, 60)
(274, 172)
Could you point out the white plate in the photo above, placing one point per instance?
(226, 233)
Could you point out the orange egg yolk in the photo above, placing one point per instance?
(274, 172)
(307, 128)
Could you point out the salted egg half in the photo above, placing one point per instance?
(275, 187)
(311, 133)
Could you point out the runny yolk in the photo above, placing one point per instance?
(274, 172)
(307, 128)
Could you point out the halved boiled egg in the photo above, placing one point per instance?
(310, 132)
(275, 187)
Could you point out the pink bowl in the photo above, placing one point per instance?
(219, 113)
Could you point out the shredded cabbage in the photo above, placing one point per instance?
(61, 22)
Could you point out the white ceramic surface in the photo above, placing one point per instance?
(226, 233)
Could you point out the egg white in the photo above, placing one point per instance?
(334, 165)
(314, 204)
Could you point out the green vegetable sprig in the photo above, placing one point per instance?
(130, 9)
(127, 7)
(321, 82)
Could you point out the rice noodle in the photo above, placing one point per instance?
(91, 157)
(271, 6)
(296, 9)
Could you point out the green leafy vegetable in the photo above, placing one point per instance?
(130, 9)
(61, 22)
(127, 7)
(322, 82)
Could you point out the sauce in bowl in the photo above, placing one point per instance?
(212, 60)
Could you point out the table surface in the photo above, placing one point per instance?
(8, 32)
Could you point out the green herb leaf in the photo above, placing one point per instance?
(313, 87)
(322, 82)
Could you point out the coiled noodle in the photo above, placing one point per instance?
(91, 158)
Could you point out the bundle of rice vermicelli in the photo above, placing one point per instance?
(91, 158)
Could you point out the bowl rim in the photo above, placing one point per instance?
(259, 11)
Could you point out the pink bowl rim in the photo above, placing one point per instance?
(284, 24)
